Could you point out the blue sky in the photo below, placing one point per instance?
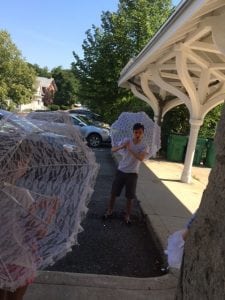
(47, 31)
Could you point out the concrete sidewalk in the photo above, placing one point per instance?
(167, 204)
(165, 200)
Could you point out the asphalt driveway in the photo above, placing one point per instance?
(111, 247)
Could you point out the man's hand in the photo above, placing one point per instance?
(127, 145)
(138, 156)
(123, 146)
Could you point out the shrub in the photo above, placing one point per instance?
(53, 107)
(64, 107)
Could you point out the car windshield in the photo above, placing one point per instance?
(87, 113)
(96, 117)
(86, 120)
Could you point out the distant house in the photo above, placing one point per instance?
(45, 90)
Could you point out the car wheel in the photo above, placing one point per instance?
(94, 140)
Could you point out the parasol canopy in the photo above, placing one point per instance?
(123, 128)
(46, 181)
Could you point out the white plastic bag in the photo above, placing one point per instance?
(175, 249)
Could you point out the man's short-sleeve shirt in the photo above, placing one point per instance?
(128, 163)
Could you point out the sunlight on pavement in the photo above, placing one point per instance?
(169, 174)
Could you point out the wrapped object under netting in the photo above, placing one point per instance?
(46, 181)
(56, 121)
(123, 128)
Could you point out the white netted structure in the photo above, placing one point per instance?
(46, 181)
(56, 122)
(123, 128)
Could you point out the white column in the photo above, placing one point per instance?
(195, 125)
(156, 119)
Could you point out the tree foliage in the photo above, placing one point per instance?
(177, 121)
(208, 129)
(16, 77)
(108, 48)
(42, 72)
(67, 86)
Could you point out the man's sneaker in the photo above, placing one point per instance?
(127, 220)
(107, 216)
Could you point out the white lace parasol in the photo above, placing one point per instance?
(46, 181)
(123, 128)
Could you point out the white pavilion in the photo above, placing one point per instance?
(184, 63)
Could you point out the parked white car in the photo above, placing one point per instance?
(95, 135)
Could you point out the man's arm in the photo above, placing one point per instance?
(139, 156)
(116, 148)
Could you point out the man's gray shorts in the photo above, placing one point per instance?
(129, 180)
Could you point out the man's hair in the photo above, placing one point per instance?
(138, 126)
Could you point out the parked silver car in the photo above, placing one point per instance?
(95, 135)
(86, 112)
(89, 118)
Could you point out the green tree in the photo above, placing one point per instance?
(177, 121)
(107, 50)
(16, 77)
(208, 129)
(42, 72)
(67, 86)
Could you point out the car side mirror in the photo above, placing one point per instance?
(81, 124)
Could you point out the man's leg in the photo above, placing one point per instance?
(117, 187)
(131, 183)
(128, 210)
(111, 205)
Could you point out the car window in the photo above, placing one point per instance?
(88, 113)
(93, 116)
(75, 121)
(96, 117)
(79, 111)
(7, 127)
(86, 120)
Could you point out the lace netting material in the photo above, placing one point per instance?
(123, 128)
(46, 180)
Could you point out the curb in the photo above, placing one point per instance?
(69, 286)
(164, 282)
